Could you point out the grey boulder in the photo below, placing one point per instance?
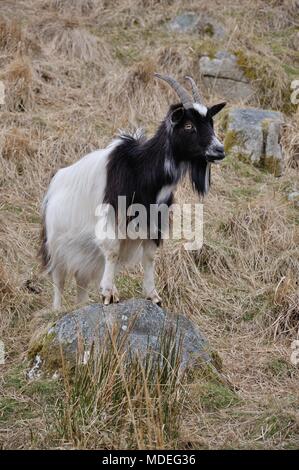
(223, 76)
(253, 134)
(189, 22)
(142, 325)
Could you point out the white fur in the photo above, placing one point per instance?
(69, 209)
(200, 108)
(165, 192)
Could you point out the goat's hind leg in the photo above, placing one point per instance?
(58, 277)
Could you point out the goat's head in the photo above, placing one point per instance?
(191, 125)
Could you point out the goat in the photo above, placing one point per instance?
(146, 171)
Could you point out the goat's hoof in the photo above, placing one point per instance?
(107, 300)
(115, 296)
(155, 298)
(110, 297)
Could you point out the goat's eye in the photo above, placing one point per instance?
(188, 126)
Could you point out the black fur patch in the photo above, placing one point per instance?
(198, 176)
(140, 168)
(136, 169)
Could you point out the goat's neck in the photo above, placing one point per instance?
(159, 154)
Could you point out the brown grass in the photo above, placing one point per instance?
(286, 310)
(66, 36)
(5, 287)
(19, 94)
(17, 145)
(10, 35)
(77, 6)
(290, 140)
(90, 74)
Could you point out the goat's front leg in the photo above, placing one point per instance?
(148, 261)
(108, 289)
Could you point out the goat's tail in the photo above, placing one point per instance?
(43, 253)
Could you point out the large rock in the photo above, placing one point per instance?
(189, 22)
(253, 134)
(142, 326)
(223, 76)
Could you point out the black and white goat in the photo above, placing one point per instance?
(146, 172)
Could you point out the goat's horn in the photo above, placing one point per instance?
(179, 89)
(196, 95)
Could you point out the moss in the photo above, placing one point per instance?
(15, 377)
(39, 342)
(231, 139)
(13, 409)
(208, 47)
(44, 345)
(246, 65)
(265, 126)
(223, 120)
(272, 164)
(279, 367)
(211, 388)
(215, 396)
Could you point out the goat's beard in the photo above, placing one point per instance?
(200, 176)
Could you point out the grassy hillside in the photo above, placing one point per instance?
(74, 72)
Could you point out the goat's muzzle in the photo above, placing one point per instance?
(215, 154)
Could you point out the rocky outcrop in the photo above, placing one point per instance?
(253, 135)
(190, 22)
(140, 326)
(223, 76)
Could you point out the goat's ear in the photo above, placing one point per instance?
(213, 110)
(177, 115)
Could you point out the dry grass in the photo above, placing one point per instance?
(10, 35)
(286, 300)
(17, 145)
(88, 74)
(77, 6)
(67, 36)
(290, 141)
(110, 403)
(19, 94)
